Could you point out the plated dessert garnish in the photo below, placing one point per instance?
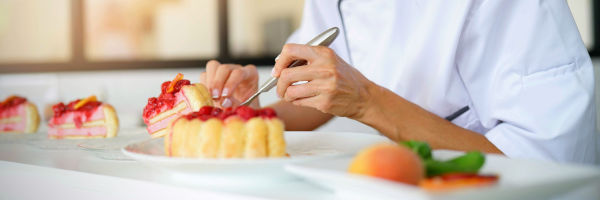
(17, 115)
(83, 118)
(412, 162)
(231, 133)
(177, 97)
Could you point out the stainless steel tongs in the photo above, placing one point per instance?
(323, 39)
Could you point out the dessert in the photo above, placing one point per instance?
(178, 97)
(83, 118)
(17, 115)
(215, 133)
(389, 161)
(412, 162)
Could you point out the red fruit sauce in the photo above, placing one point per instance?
(165, 98)
(244, 112)
(88, 109)
(14, 101)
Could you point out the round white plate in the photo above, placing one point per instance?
(302, 147)
(518, 179)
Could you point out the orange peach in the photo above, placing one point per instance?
(389, 161)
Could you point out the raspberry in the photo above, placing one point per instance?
(216, 112)
(267, 112)
(245, 112)
(192, 115)
(205, 110)
(205, 117)
(226, 113)
(164, 86)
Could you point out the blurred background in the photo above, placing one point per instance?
(121, 50)
(42, 35)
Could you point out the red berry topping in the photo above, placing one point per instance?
(216, 112)
(205, 117)
(11, 101)
(226, 113)
(245, 112)
(205, 110)
(267, 112)
(165, 99)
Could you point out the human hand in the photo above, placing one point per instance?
(333, 86)
(230, 84)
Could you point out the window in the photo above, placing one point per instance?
(43, 35)
(261, 27)
(150, 29)
(35, 31)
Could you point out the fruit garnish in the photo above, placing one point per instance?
(245, 112)
(216, 111)
(205, 110)
(267, 112)
(457, 180)
(470, 162)
(8, 100)
(85, 101)
(389, 161)
(175, 80)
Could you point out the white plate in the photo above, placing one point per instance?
(519, 179)
(302, 147)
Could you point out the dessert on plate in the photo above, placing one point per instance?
(83, 118)
(230, 133)
(177, 97)
(17, 115)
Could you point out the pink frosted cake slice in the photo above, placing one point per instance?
(177, 98)
(83, 118)
(17, 115)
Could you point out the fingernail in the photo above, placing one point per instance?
(215, 93)
(273, 72)
(226, 103)
(277, 58)
(225, 92)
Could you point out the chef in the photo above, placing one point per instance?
(510, 77)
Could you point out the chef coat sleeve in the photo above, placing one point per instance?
(530, 80)
(317, 17)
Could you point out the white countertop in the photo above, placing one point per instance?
(66, 171)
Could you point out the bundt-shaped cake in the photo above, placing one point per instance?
(231, 133)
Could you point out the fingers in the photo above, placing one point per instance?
(292, 75)
(211, 69)
(293, 52)
(308, 102)
(203, 78)
(228, 102)
(237, 76)
(223, 79)
(218, 81)
(303, 91)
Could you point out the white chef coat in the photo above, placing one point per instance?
(520, 66)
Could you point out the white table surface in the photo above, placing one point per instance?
(33, 167)
(68, 172)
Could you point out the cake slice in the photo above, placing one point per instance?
(215, 133)
(178, 97)
(17, 115)
(83, 118)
